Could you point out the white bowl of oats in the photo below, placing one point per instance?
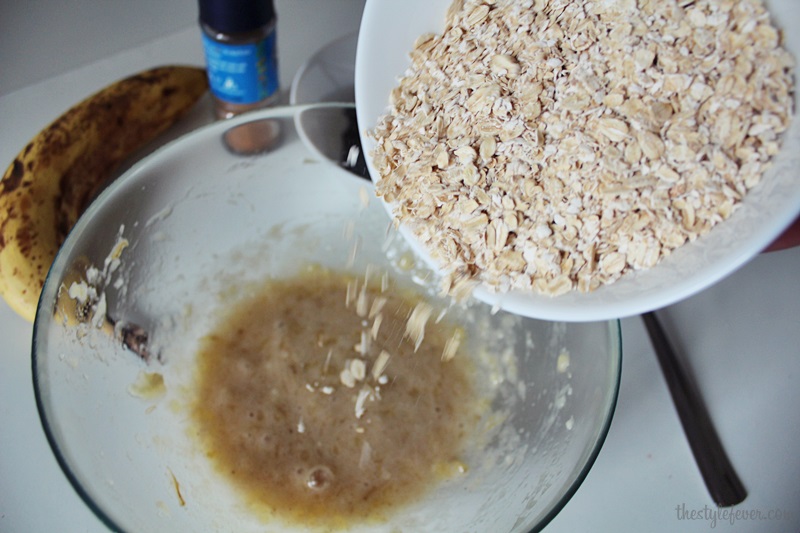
(238, 342)
(577, 160)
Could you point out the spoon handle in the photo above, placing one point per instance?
(720, 478)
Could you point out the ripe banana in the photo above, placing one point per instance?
(53, 179)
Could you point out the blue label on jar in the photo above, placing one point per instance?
(242, 73)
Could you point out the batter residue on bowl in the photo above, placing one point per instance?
(313, 400)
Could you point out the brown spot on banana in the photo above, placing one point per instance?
(54, 178)
(15, 175)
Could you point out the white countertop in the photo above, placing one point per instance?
(742, 336)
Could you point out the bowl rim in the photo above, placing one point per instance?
(288, 112)
(602, 435)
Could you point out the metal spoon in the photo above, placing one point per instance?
(721, 480)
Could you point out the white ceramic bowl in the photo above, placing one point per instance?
(204, 224)
(388, 30)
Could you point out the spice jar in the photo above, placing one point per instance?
(241, 54)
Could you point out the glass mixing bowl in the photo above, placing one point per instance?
(189, 230)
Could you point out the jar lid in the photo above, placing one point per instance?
(234, 16)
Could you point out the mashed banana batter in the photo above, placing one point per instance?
(314, 400)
